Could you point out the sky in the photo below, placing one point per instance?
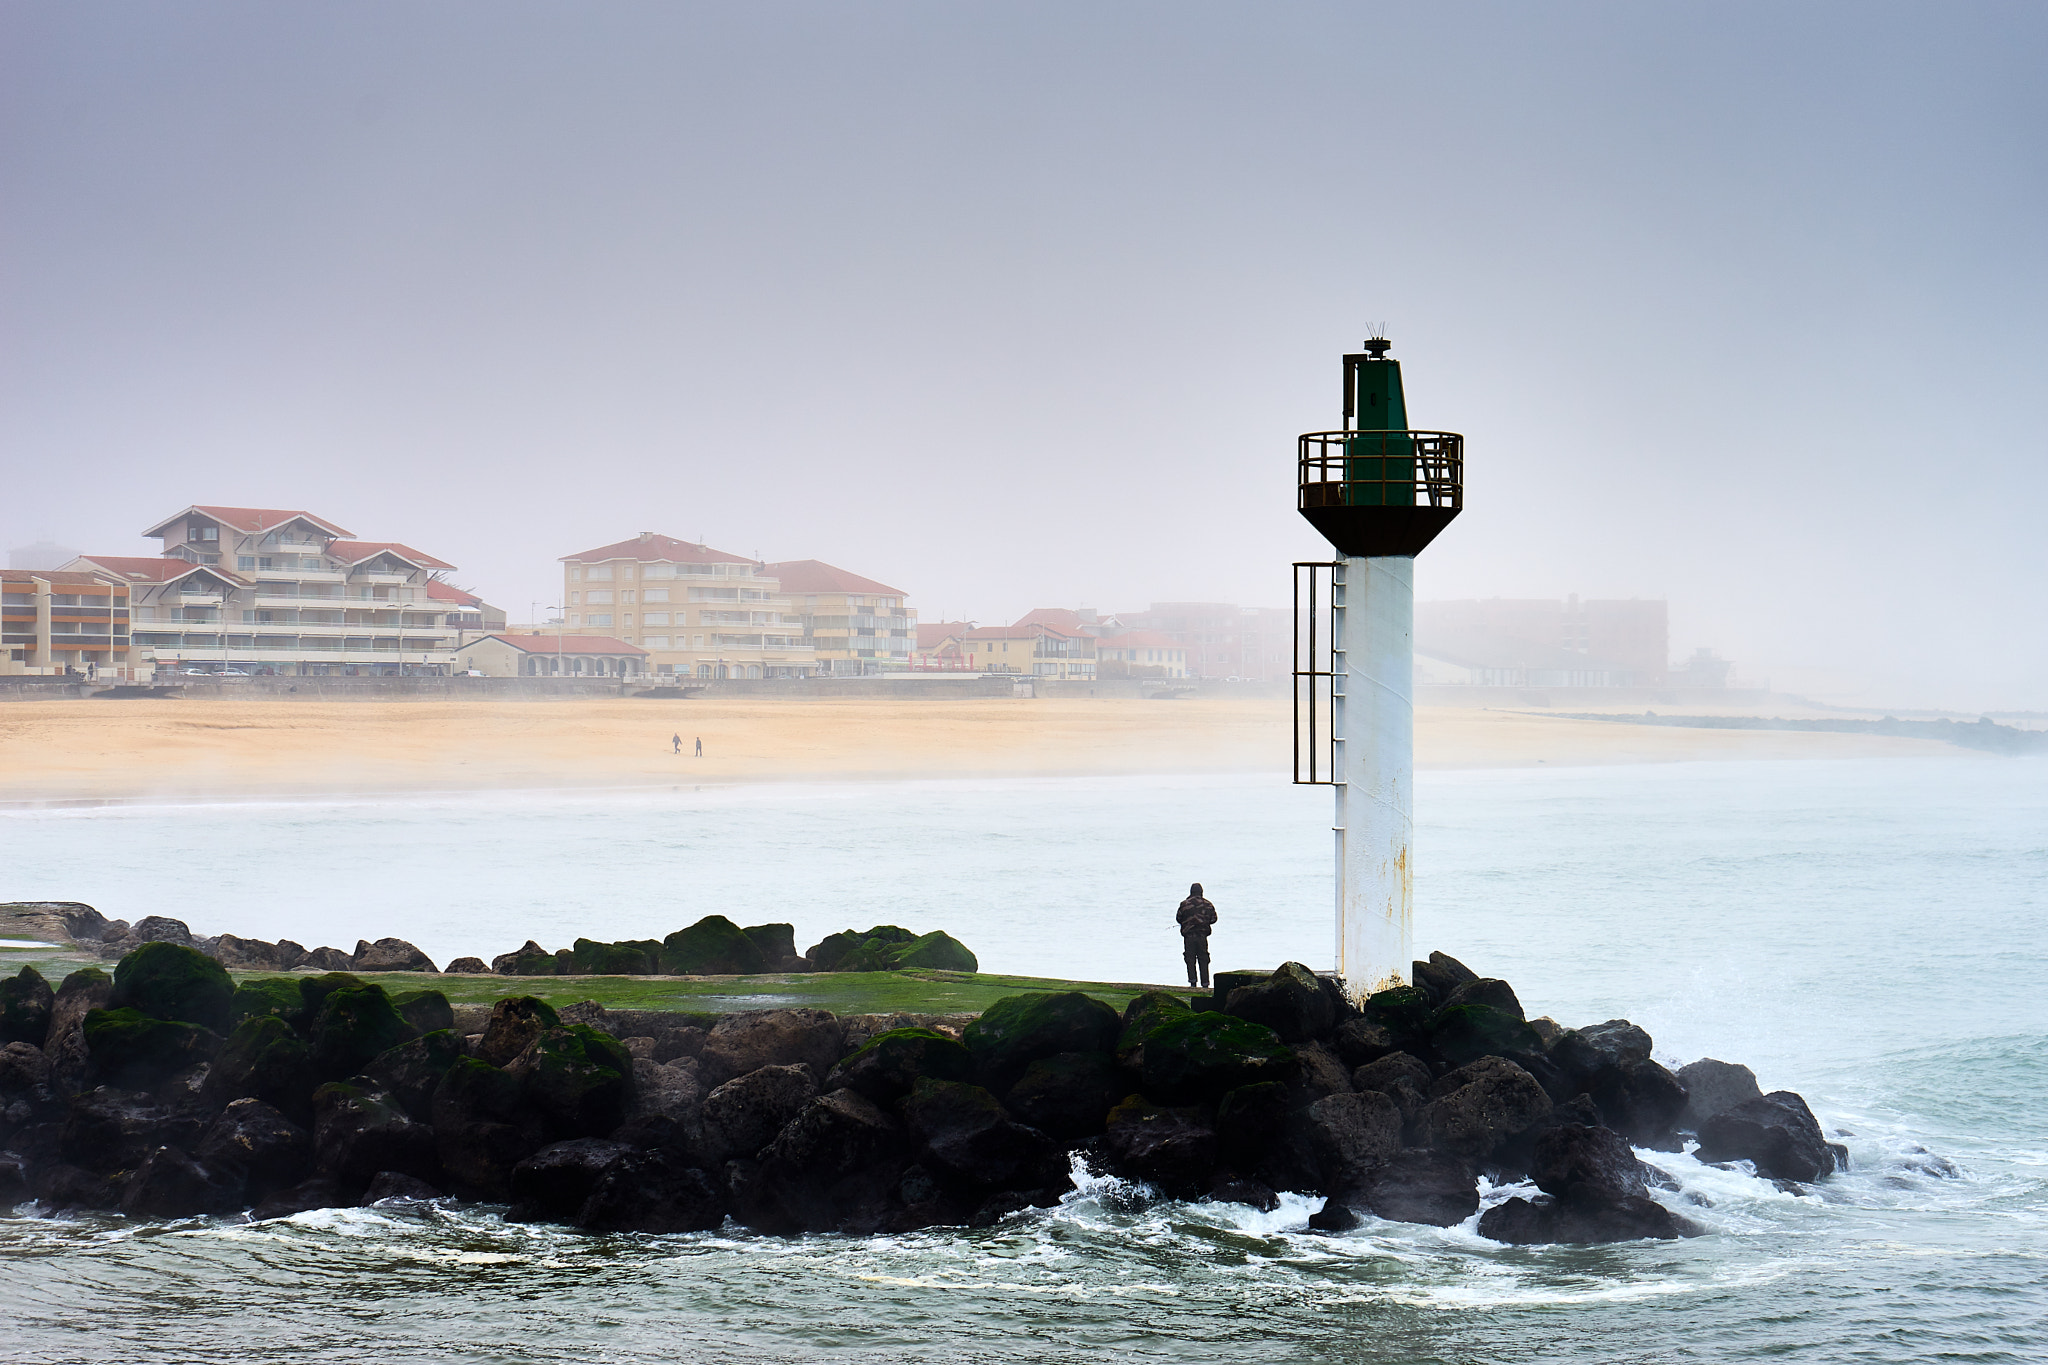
(1010, 305)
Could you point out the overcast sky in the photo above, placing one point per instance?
(1023, 304)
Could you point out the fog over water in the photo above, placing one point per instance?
(1011, 305)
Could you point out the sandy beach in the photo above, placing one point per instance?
(62, 751)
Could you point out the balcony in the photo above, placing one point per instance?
(1381, 493)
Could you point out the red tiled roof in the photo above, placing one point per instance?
(356, 551)
(814, 575)
(1060, 617)
(56, 575)
(1020, 632)
(662, 549)
(252, 519)
(565, 644)
(448, 592)
(931, 633)
(154, 569)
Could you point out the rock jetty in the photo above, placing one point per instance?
(167, 1090)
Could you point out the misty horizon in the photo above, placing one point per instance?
(1021, 307)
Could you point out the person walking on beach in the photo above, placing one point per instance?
(677, 740)
(700, 746)
(1196, 916)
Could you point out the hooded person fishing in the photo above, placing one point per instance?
(1197, 917)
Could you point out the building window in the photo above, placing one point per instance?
(246, 562)
(654, 595)
(626, 597)
(601, 618)
(600, 599)
(627, 619)
(654, 618)
(575, 599)
(655, 641)
(575, 619)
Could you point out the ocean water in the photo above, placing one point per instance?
(1873, 934)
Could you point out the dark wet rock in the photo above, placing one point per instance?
(1291, 1002)
(1403, 1011)
(426, 1011)
(1441, 975)
(1417, 1185)
(889, 1064)
(466, 966)
(482, 1126)
(963, 1129)
(325, 959)
(26, 1002)
(412, 1071)
(741, 1043)
(359, 1129)
(1175, 1149)
(113, 1130)
(837, 1166)
(1351, 1134)
(162, 929)
(1477, 1107)
(290, 956)
(1235, 1189)
(79, 994)
(676, 1035)
(14, 1182)
(1488, 991)
(853, 950)
(169, 981)
(24, 1071)
(742, 1116)
(1778, 1133)
(713, 946)
(264, 1060)
(1249, 1123)
(258, 1142)
(314, 990)
(579, 1080)
(1586, 1051)
(354, 1025)
(273, 995)
(138, 1051)
(1570, 1158)
(65, 1186)
(319, 1192)
(1626, 1218)
(1179, 1056)
(556, 1181)
(627, 957)
(997, 1207)
(1018, 1030)
(1462, 1033)
(1222, 984)
(529, 959)
(775, 941)
(1547, 1030)
(653, 1191)
(1359, 1041)
(395, 1187)
(247, 954)
(515, 1022)
(937, 951)
(1643, 1102)
(1334, 1216)
(389, 955)
(668, 1090)
(1068, 1095)
(1714, 1087)
(170, 1184)
(1317, 1073)
(1381, 1074)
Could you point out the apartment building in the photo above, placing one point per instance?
(855, 625)
(253, 590)
(695, 611)
(1036, 649)
(57, 621)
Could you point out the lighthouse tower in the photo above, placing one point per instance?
(1379, 492)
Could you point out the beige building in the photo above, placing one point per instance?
(551, 656)
(695, 611)
(257, 590)
(855, 625)
(1035, 650)
(55, 620)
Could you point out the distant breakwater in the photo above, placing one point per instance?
(1984, 735)
(166, 1090)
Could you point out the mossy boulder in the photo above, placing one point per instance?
(25, 1004)
(173, 982)
(628, 957)
(263, 1059)
(273, 995)
(135, 1051)
(1403, 1011)
(1180, 1057)
(1018, 1030)
(516, 1020)
(426, 1011)
(314, 990)
(963, 1130)
(579, 1079)
(938, 951)
(1292, 1002)
(777, 942)
(353, 1026)
(867, 957)
(483, 1127)
(1459, 1034)
(530, 959)
(1067, 1095)
(889, 1064)
(360, 1130)
(829, 955)
(412, 1071)
(713, 946)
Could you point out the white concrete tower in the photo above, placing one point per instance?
(1379, 492)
